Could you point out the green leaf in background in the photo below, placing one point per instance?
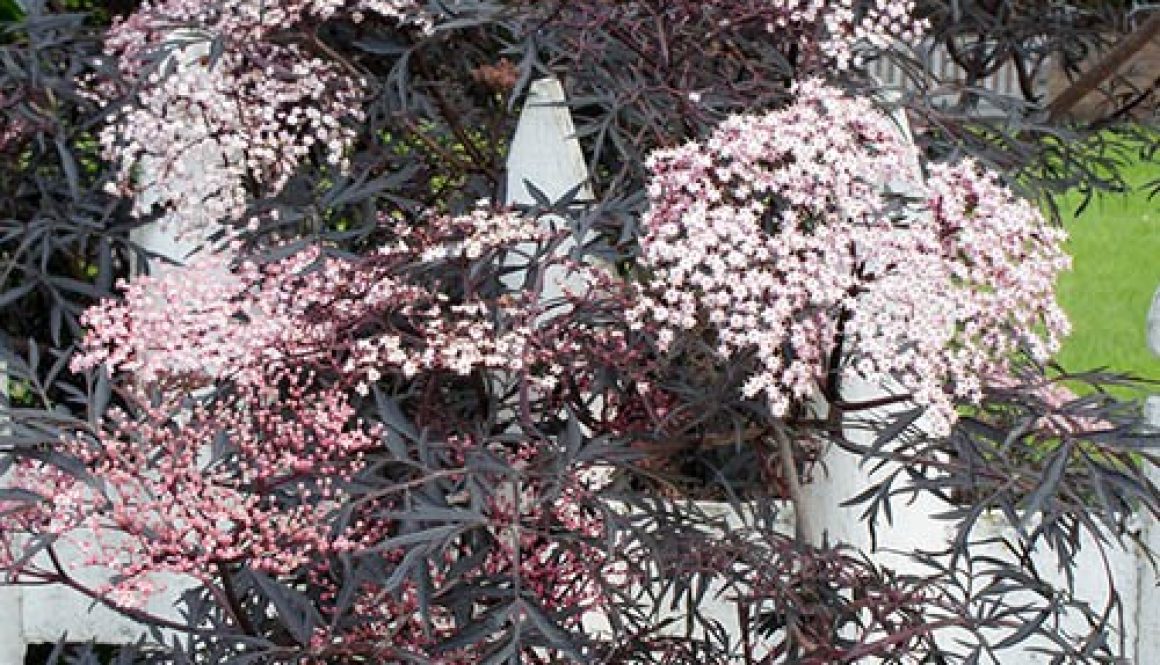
(1115, 244)
(10, 11)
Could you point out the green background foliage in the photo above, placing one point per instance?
(1115, 244)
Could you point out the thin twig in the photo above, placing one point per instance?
(61, 576)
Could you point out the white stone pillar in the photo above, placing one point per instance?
(12, 644)
(546, 153)
(1148, 598)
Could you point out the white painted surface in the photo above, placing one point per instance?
(841, 475)
(544, 149)
(546, 153)
(12, 644)
(1093, 580)
(166, 244)
(1148, 603)
(942, 71)
(50, 610)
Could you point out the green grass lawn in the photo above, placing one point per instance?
(1115, 244)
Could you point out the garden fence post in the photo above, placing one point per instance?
(1148, 618)
(842, 475)
(12, 645)
(544, 150)
(161, 238)
(546, 155)
(48, 612)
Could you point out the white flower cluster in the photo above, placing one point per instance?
(846, 27)
(776, 233)
(230, 113)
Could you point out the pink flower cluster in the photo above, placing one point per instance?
(239, 438)
(209, 322)
(779, 234)
(192, 485)
(230, 112)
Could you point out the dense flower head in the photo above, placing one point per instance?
(258, 19)
(239, 439)
(780, 233)
(232, 482)
(177, 328)
(835, 29)
(222, 111)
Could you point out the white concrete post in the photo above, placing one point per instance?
(546, 153)
(12, 646)
(1148, 601)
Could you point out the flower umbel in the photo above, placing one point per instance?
(779, 234)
